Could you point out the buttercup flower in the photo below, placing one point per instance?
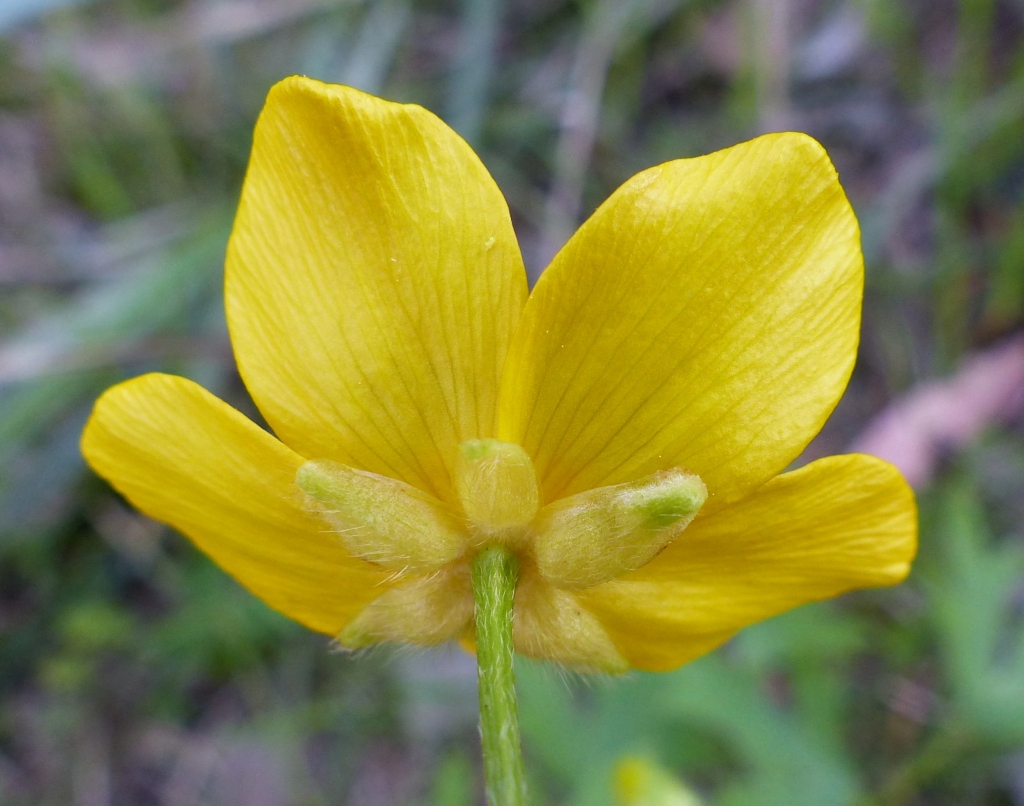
(620, 429)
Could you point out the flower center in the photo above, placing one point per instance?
(571, 544)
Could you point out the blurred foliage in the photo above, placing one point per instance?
(134, 672)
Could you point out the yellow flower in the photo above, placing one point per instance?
(640, 782)
(686, 344)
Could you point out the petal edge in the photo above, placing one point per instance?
(839, 523)
(184, 457)
(706, 317)
(373, 283)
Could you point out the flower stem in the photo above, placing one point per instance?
(495, 573)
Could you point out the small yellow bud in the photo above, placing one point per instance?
(597, 535)
(382, 520)
(639, 782)
(496, 484)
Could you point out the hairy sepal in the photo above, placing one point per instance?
(424, 610)
(497, 486)
(550, 624)
(598, 535)
(382, 520)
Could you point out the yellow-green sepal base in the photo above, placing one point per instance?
(495, 572)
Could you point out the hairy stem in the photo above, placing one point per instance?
(495, 573)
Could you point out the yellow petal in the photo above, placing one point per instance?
(184, 457)
(839, 523)
(705, 317)
(373, 283)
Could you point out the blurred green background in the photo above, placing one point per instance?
(134, 672)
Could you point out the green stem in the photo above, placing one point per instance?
(495, 573)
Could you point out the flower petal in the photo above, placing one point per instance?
(839, 523)
(373, 283)
(184, 457)
(705, 317)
